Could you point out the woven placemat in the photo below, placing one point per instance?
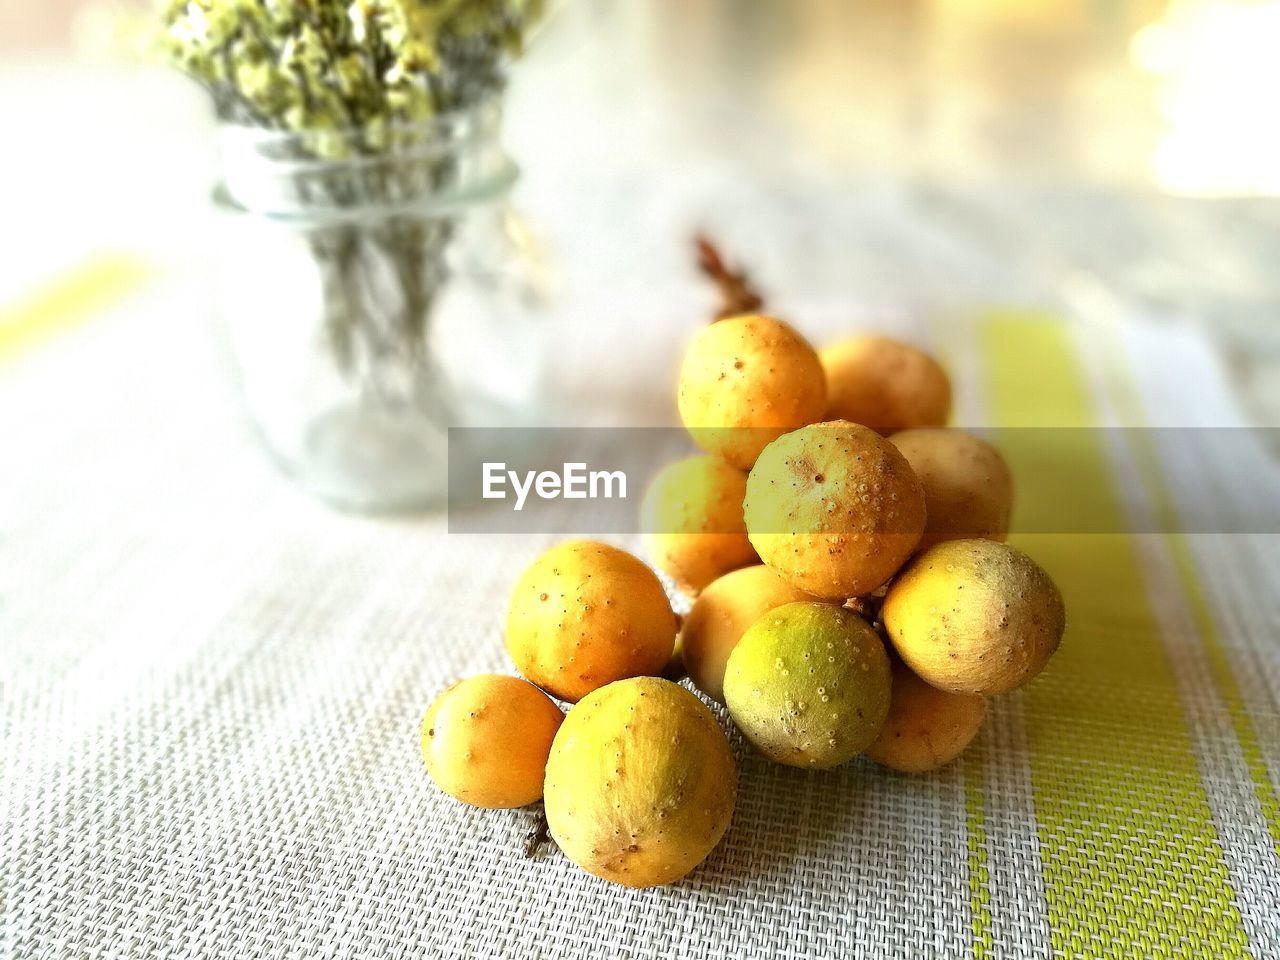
(212, 689)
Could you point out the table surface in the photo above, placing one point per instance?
(210, 685)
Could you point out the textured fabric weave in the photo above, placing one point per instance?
(212, 688)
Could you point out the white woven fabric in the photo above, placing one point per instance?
(211, 694)
(210, 685)
(209, 733)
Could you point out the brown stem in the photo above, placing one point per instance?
(869, 606)
(737, 295)
(538, 836)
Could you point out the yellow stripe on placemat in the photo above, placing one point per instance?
(1124, 394)
(944, 341)
(86, 290)
(976, 831)
(1132, 864)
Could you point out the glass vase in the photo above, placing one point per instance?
(376, 289)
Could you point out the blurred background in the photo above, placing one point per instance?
(872, 161)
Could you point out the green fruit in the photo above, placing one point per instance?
(808, 684)
(721, 615)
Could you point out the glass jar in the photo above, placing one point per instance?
(376, 290)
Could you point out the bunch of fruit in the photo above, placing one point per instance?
(831, 512)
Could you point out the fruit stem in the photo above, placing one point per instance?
(868, 607)
(539, 835)
(737, 295)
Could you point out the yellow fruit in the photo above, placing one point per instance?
(885, 385)
(808, 684)
(926, 727)
(968, 489)
(745, 381)
(675, 669)
(640, 783)
(720, 616)
(691, 516)
(485, 740)
(585, 614)
(834, 508)
(974, 616)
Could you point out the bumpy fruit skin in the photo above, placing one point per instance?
(926, 728)
(585, 614)
(834, 508)
(640, 783)
(745, 381)
(808, 684)
(974, 616)
(721, 615)
(485, 740)
(968, 489)
(691, 516)
(885, 384)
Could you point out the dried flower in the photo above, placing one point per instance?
(326, 64)
(349, 76)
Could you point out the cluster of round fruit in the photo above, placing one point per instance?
(873, 522)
